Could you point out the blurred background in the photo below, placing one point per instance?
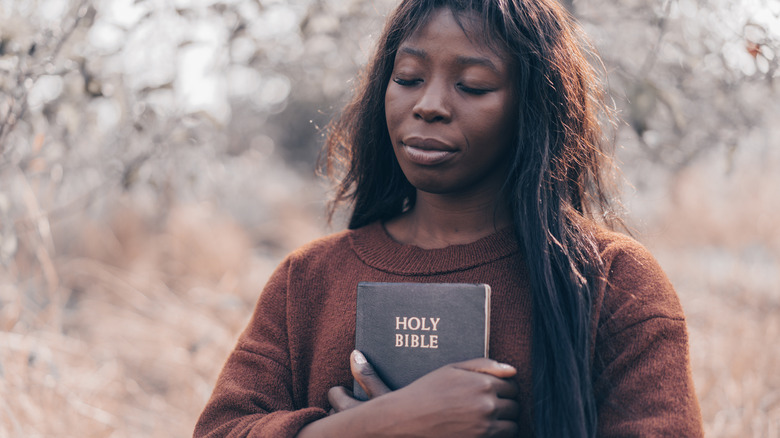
(157, 162)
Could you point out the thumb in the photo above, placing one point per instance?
(365, 375)
(487, 366)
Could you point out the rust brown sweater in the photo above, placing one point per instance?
(298, 341)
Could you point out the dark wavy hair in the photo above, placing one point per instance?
(558, 183)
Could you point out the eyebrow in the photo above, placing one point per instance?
(417, 53)
(477, 60)
(462, 60)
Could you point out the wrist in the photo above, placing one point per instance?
(356, 422)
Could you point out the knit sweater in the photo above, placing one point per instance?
(298, 341)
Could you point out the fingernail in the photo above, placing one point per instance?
(505, 366)
(358, 357)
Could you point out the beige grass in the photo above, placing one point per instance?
(722, 251)
(131, 339)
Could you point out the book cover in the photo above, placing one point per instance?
(407, 330)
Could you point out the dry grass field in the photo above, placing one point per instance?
(122, 330)
(719, 242)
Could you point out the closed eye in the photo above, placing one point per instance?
(474, 91)
(407, 82)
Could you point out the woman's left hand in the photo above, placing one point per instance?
(341, 398)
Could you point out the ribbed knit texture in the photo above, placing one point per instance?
(298, 341)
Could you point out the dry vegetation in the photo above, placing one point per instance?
(718, 241)
(124, 336)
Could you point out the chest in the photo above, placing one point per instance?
(322, 338)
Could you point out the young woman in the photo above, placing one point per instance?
(473, 153)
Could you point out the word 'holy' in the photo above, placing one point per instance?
(414, 340)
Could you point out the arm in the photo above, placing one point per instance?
(254, 396)
(642, 375)
(645, 387)
(467, 399)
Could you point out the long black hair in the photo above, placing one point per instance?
(557, 186)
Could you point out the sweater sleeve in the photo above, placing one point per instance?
(254, 394)
(642, 375)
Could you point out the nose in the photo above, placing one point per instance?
(432, 105)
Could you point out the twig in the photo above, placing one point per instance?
(13, 116)
(652, 55)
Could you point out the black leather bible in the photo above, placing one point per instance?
(407, 330)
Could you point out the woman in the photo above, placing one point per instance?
(473, 153)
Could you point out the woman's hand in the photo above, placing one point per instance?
(474, 398)
(470, 398)
(341, 398)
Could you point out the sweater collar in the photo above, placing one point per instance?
(374, 246)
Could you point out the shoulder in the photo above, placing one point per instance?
(342, 248)
(326, 250)
(323, 245)
(314, 261)
(635, 288)
(625, 259)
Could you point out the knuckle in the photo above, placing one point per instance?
(489, 408)
(335, 393)
(367, 372)
(482, 407)
(486, 428)
(486, 384)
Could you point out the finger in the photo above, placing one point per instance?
(487, 366)
(366, 376)
(505, 429)
(507, 410)
(506, 388)
(341, 399)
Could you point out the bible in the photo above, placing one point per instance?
(407, 330)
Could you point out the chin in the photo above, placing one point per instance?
(434, 187)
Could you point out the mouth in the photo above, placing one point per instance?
(427, 151)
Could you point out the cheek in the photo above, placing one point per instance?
(492, 125)
(495, 135)
(506, 121)
(393, 110)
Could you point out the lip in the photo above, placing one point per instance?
(428, 144)
(427, 151)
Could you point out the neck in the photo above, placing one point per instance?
(438, 221)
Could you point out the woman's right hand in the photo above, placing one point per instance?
(474, 398)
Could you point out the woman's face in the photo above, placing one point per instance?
(450, 109)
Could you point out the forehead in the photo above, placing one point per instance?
(462, 31)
